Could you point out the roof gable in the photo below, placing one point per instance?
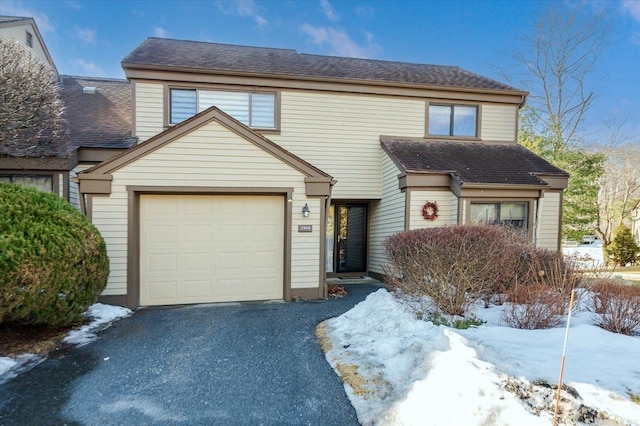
(472, 162)
(157, 53)
(11, 21)
(198, 120)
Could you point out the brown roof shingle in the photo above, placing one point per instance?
(205, 56)
(101, 119)
(472, 162)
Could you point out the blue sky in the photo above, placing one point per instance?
(90, 38)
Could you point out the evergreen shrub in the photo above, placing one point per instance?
(53, 261)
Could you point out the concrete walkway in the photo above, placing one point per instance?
(232, 364)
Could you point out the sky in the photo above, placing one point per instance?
(90, 38)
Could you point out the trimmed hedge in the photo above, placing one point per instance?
(53, 261)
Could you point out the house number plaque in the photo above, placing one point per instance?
(305, 228)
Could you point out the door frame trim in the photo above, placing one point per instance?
(365, 203)
(133, 227)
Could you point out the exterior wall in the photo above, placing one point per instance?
(19, 33)
(73, 187)
(210, 156)
(548, 226)
(386, 215)
(635, 225)
(148, 107)
(499, 123)
(340, 134)
(447, 208)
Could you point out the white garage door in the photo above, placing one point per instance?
(210, 248)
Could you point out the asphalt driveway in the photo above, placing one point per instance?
(233, 364)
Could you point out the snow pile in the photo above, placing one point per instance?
(400, 370)
(587, 256)
(101, 318)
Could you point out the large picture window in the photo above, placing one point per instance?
(510, 214)
(257, 110)
(41, 182)
(453, 120)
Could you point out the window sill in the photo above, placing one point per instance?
(454, 138)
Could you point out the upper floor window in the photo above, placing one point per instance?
(257, 110)
(29, 39)
(453, 120)
(510, 214)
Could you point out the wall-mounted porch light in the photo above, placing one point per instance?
(305, 210)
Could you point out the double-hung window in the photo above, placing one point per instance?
(453, 120)
(255, 109)
(507, 213)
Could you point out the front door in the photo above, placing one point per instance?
(347, 238)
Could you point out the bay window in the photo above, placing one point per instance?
(41, 182)
(511, 214)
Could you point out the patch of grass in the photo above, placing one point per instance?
(349, 374)
(323, 338)
(634, 397)
(460, 324)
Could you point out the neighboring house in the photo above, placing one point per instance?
(262, 171)
(98, 116)
(25, 31)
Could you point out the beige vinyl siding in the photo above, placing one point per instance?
(210, 156)
(340, 134)
(447, 208)
(149, 109)
(499, 123)
(19, 33)
(386, 215)
(548, 221)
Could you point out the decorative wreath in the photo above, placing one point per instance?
(430, 210)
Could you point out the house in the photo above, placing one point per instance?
(259, 171)
(98, 118)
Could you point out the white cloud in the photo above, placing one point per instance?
(244, 8)
(90, 67)
(329, 11)
(633, 7)
(85, 34)
(160, 32)
(74, 5)
(15, 8)
(339, 42)
(364, 11)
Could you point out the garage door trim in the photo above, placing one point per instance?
(133, 225)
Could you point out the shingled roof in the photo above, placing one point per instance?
(472, 162)
(4, 19)
(160, 53)
(101, 119)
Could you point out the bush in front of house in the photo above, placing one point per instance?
(616, 306)
(623, 249)
(533, 306)
(53, 261)
(454, 265)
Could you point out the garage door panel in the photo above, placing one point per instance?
(162, 263)
(198, 263)
(202, 249)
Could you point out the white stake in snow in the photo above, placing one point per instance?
(564, 353)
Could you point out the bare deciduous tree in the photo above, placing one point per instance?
(31, 121)
(558, 58)
(619, 193)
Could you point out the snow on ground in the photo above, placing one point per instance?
(400, 370)
(101, 318)
(587, 256)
